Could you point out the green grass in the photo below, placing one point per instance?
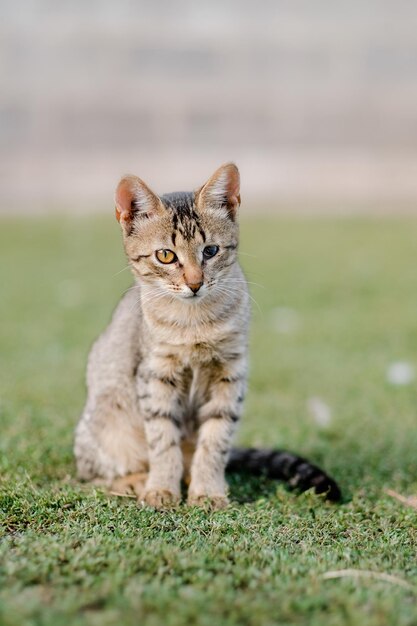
(71, 555)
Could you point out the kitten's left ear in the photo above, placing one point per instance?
(222, 190)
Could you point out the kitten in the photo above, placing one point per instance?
(167, 378)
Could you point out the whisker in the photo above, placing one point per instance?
(131, 289)
(257, 304)
(149, 294)
(239, 280)
(122, 270)
(254, 256)
(235, 289)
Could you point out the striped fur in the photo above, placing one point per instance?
(294, 470)
(167, 378)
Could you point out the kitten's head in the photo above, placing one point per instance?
(182, 244)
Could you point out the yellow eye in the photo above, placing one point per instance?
(166, 256)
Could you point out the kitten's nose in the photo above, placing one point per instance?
(195, 286)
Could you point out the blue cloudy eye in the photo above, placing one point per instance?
(210, 251)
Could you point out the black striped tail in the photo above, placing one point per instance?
(296, 471)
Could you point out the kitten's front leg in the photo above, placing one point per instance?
(218, 418)
(160, 398)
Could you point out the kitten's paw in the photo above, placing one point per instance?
(160, 499)
(210, 503)
(131, 485)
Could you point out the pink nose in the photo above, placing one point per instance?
(195, 286)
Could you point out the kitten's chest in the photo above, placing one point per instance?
(201, 351)
(198, 354)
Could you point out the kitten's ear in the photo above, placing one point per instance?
(134, 199)
(222, 189)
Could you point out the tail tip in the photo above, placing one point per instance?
(330, 489)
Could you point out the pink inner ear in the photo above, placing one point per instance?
(233, 187)
(124, 198)
(225, 185)
(233, 195)
(234, 201)
(133, 197)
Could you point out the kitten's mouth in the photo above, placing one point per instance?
(192, 297)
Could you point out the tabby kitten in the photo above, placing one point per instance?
(167, 378)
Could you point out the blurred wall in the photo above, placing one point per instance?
(315, 101)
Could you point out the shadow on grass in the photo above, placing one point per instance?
(246, 488)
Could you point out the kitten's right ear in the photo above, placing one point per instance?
(134, 199)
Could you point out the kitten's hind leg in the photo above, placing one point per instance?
(110, 441)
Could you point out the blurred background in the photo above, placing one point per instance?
(315, 101)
